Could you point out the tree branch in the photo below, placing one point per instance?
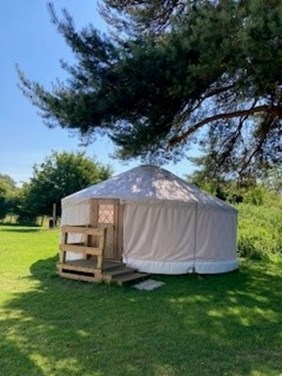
(274, 110)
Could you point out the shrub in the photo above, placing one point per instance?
(260, 231)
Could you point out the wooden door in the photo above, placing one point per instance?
(108, 213)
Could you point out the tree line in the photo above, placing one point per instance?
(62, 174)
(59, 175)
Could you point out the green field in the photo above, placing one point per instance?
(219, 325)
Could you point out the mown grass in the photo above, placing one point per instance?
(220, 325)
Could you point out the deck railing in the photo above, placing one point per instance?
(86, 247)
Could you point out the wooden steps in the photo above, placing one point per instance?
(121, 274)
(85, 270)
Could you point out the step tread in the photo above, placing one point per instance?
(118, 271)
(112, 266)
(128, 277)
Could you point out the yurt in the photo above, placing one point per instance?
(157, 222)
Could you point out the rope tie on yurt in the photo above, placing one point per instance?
(195, 239)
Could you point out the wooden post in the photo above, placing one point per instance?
(93, 217)
(55, 214)
(63, 253)
(120, 231)
(93, 221)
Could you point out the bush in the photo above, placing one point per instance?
(260, 230)
(248, 249)
(27, 220)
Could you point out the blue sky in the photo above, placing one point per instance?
(28, 38)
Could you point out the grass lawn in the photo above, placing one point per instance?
(219, 325)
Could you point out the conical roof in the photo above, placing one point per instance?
(145, 183)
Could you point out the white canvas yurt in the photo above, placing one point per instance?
(157, 223)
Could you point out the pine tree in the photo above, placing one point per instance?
(180, 71)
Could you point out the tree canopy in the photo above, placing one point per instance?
(8, 191)
(60, 175)
(180, 72)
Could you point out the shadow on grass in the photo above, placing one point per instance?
(220, 325)
(22, 364)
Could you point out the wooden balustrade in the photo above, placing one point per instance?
(90, 264)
